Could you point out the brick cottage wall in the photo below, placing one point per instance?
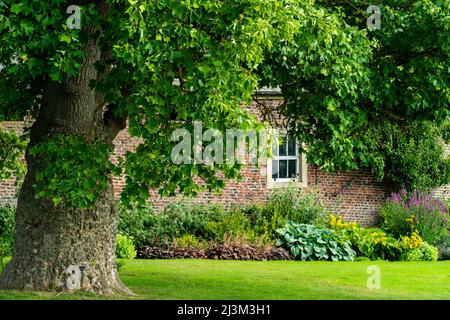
(355, 195)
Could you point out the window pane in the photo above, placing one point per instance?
(275, 169)
(283, 147)
(293, 168)
(291, 147)
(283, 169)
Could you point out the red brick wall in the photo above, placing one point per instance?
(353, 194)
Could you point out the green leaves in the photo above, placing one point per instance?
(11, 151)
(17, 8)
(193, 63)
(76, 171)
(413, 155)
(308, 242)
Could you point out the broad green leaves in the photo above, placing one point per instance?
(77, 172)
(192, 61)
(323, 71)
(307, 242)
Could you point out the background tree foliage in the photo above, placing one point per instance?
(166, 64)
(344, 107)
(412, 156)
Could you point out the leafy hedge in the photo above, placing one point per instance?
(426, 252)
(306, 231)
(414, 226)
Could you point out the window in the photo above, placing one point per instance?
(287, 164)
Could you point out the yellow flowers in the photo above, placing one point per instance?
(379, 237)
(336, 222)
(414, 241)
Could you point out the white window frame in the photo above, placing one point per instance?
(301, 179)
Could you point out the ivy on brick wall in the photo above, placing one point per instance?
(11, 150)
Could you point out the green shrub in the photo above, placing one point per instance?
(426, 252)
(266, 221)
(187, 218)
(403, 214)
(213, 223)
(444, 248)
(283, 205)
(412, 255)
(430, 253)
(310, 243)
(125, 248)
(188, 241)
(413, 155)
(296, 205)
(148, 228)
(375, 244)
(207, 222)
(4, 252)
(138, 223)
(371, 243)
(396, 219)
(7, 223)
(234, 223)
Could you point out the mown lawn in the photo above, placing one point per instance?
(244, 280)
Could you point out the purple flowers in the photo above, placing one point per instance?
(422, 211)
(418, 200)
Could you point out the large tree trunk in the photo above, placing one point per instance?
(63, 249)
(58, 248)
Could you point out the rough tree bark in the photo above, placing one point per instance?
(58, 248)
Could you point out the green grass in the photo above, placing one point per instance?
(244, 280)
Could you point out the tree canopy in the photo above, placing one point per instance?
(165, 64)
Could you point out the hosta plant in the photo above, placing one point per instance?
(307, 242)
